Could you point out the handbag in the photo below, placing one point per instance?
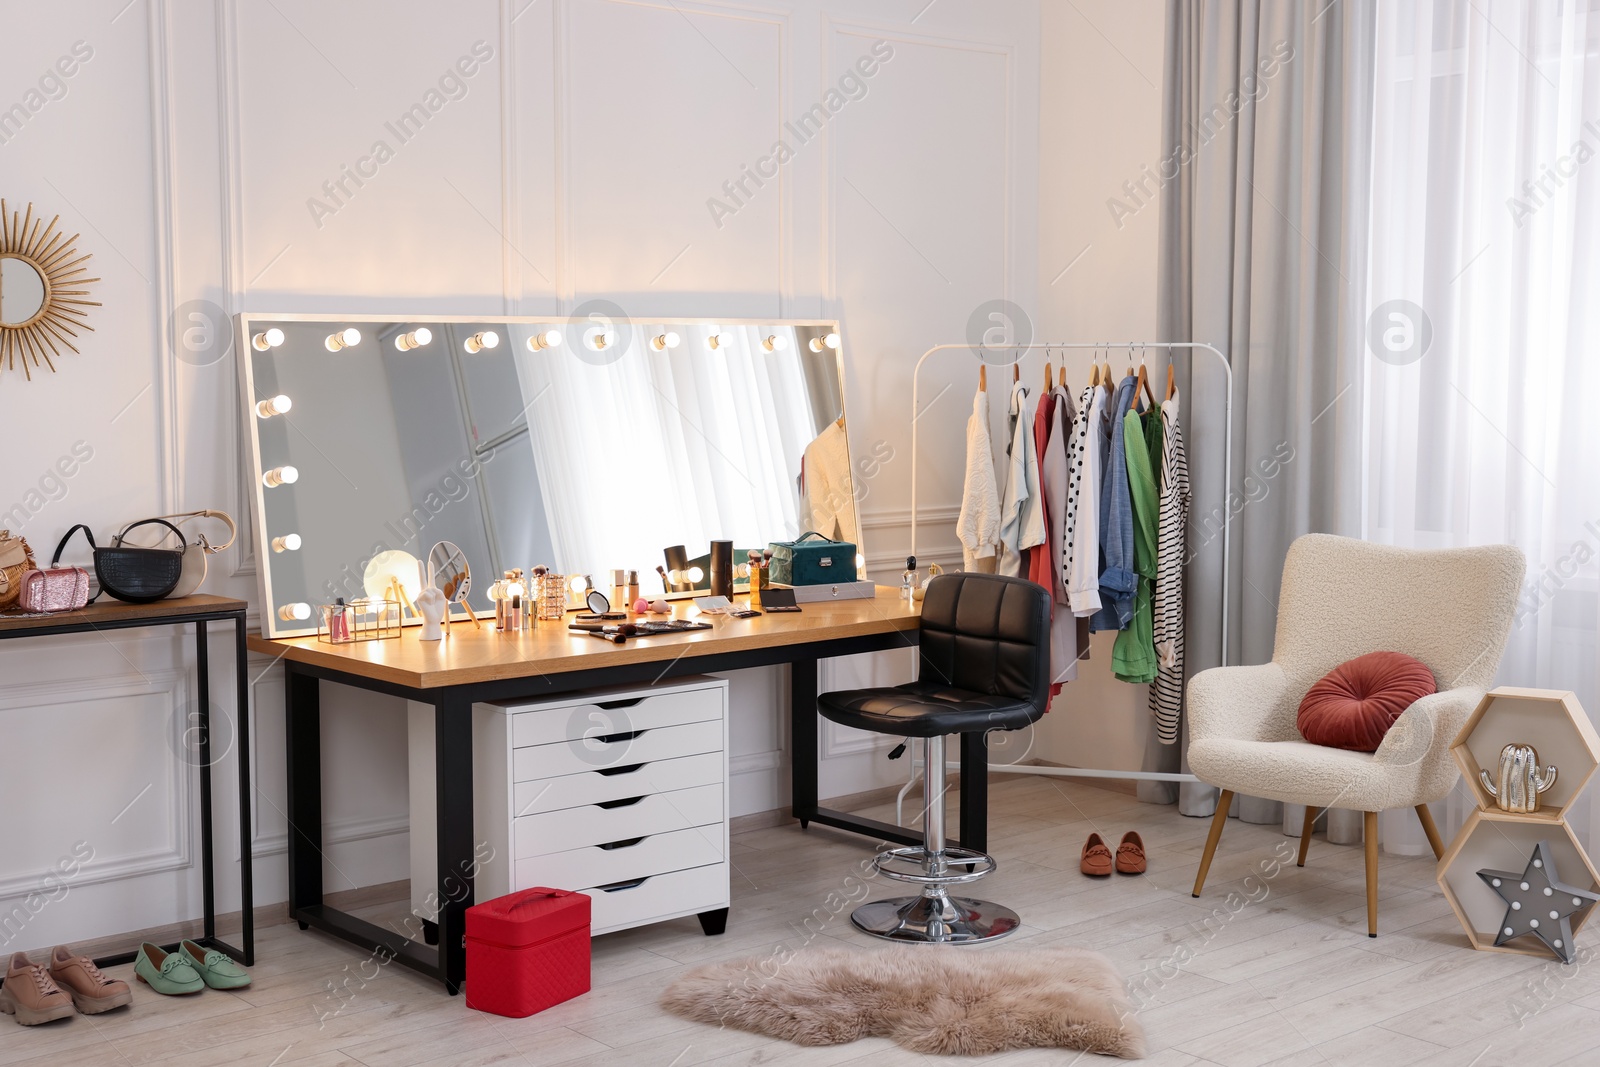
(131, 574)
(16, 560)
(54, 588)
(819, 562)
(194, 555)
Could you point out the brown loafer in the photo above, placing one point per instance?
(1096, 861)
(1130, 854)
(91, 991)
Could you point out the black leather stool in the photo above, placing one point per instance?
(985, 665)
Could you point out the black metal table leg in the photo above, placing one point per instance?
(246, 789)
(975, 791)
(452, 732)
(208, 888)
(803, 739)
(303, 726)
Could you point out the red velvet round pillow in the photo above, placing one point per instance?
(1354, 704)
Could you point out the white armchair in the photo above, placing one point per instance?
(1452, 609)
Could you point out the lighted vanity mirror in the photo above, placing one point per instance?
(586, 446)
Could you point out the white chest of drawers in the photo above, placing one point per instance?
(621, 794)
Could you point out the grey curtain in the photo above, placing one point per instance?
(1263, 230)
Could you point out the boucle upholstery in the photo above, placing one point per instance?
(1341, 598)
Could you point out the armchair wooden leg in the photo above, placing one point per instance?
(1305, 834)
(1434, 840)
(1218, 821)
(1370, 832)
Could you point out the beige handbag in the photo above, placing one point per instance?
(16, 559)
(194, 555)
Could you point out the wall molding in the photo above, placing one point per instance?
(181, 829)
(755, 762)
(338, 832)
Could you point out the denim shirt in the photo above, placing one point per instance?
(1118, 580)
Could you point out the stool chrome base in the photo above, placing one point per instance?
(935, 918)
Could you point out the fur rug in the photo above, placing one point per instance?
(949, 1000)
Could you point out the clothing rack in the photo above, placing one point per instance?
(1173, 348)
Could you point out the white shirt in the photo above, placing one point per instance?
(1080, 561)
(978, 525)
(830, 502)
(1022, 507)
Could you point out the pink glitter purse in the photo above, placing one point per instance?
(55, 588)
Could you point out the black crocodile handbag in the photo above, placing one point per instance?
(135, 575)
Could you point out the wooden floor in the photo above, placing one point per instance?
(1291, 978)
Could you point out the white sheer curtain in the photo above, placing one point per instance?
(663, 448)
(1486, 219)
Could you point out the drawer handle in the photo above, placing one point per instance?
(626, 802)
(612, 739)
(617, 887)
(629, 769)
(627, 702)
(614, 845)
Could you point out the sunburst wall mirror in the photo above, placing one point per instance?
(41, 300)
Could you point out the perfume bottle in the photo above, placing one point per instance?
(908, 580)
(758, 578)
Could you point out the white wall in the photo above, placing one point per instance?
(577, 163)
(1099, 124)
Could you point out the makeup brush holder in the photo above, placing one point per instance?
(552, 597)
(359, 620)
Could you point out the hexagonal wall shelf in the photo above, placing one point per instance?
(1502, 840)
(1550, 720)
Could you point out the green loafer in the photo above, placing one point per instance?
(216, 969)
(167, 973)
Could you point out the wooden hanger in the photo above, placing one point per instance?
(983, 377)
(1049, 376)
(1172, 383)
(1144, 384)
(1016, 373)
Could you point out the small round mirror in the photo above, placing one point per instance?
(22, 290)
(450, 571)
(598, 602)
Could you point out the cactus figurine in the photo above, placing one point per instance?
(1521, 779)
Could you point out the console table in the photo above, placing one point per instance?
(472, 665)
(200, 610)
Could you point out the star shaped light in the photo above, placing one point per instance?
(1538, 903)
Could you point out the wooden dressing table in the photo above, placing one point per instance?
(472, 665)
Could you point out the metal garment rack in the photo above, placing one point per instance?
(1173, 348)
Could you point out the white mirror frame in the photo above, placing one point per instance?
(248, 323)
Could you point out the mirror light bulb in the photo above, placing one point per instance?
(816, 344)
(832, 341)
(601, 339)
(267, 339)
(479, 341)
(695, 574)
(286, 543)
(663, 341)
(278, 405)
(579, 583)
(414, 339)
(776, 342)
(861, 563)
(718, 339)
(544, 339)
(277, 476)
(298, 612)
(347, 338)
